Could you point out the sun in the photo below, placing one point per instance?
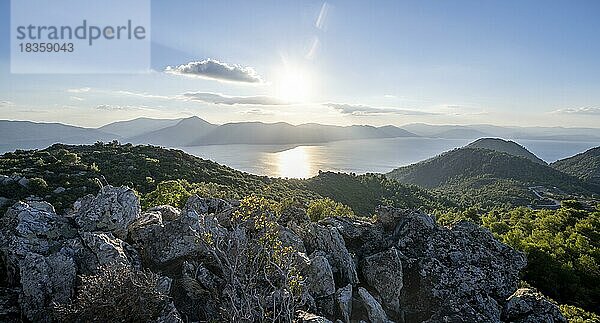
(293, 84)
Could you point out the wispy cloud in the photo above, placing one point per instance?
(109, 107)
(258, 112)
(6, 104)
(79, 90)
(364, 110)
(216, 70)
(76, 98)
(217, 98)
(579, 111)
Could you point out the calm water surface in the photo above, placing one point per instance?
(357, 156)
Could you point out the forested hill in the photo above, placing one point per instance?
(585, 166)
(488, 177)
(62, 173)
(505, 146)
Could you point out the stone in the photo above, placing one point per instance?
(108, 250)
(305, 317)
(319, 277)
(528, 306)
(112, 210)
(59, 190)
(329, 240)
(383, 272)
(375, 312)
(343, 298)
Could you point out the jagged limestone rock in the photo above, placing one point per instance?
(343, 298)
(528, 306)
(320, 277)
(109, 250)
(112, 210)
(375, 312)
(383, 272)
(328, 239)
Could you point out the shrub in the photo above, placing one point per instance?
(115, 294)
(261, 281)
(324, 208)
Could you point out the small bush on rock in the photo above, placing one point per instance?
(324, 208)
(115, 294)
(260, 279)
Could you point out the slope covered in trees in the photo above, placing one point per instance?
(585, 166)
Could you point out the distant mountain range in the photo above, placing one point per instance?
(483, 130)
(194, 131)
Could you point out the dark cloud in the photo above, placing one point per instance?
(364, 110)
(213, 69)
(216, 98)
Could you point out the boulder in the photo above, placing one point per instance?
(110, 251)
(375, 312)
(383, 272)
(459, 271)
(343, 298)
(528, 306)
(328, 239)
(112, 210)
(319, 277)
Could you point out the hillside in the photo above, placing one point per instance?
(62, 173)
(505, 146)
(487, 178)
(585, 166)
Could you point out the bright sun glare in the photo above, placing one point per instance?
(293, 84)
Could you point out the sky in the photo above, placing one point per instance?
(519, 63)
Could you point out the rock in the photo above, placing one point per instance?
(207, 205)
(45, 281)
(343, 298)
(4, 201)
(305, 317)
(4, 179)
(383, 272)
(528, 306)
(109, 250)
(59, 190)
(112, 210)
(329, 240)
(460, 271)
(169, 315)
(319, 277)
(10, 311)
(167, 212)
(362, 237)
(162, 240)
(23, 182)
(375, 312)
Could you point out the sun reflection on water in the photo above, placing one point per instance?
(294, 163)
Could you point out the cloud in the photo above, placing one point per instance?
(213, 69)
(217, 98)
(579, 111)
(258, 112)
(363, 110)
(79, 90)
(108, 107)
(5, 104)
(76, 98)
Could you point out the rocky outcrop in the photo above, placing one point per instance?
(112, 210)
(401, 267)
(528, 306)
